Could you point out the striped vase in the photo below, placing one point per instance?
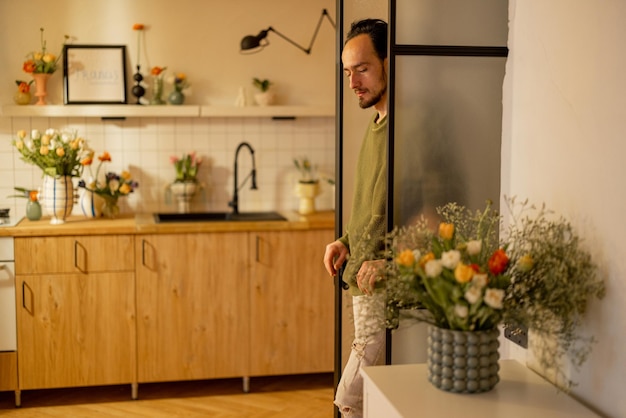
(57, 198)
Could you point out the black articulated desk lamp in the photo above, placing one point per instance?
(251, 44)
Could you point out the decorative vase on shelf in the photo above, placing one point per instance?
(266, 98)
(463, 361)
(176, 97)
(307, 193)
(22, 98)
(157, 92)
(183, 192)
(41, 87)
(91, 204)
(110, 209)
(33, 210)
(138, 91)
(57, 197)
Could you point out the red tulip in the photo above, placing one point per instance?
(498, 262)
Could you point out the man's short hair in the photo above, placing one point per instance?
(377, 31)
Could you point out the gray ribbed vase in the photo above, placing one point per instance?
(463, 361)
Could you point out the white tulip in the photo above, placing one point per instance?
(474, 247)
(450, 259)
(433, 268)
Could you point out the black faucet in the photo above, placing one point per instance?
(235, 202)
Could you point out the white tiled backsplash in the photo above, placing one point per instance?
(144, 147)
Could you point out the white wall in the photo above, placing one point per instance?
(564, 144)
(200, 38)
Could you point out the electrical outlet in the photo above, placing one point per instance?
(517, 334)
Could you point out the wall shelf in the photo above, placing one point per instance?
(267, 111)
(135, 111)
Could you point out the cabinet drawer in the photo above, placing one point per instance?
(74, 254)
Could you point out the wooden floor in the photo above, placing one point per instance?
(269, 397)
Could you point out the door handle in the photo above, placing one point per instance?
(30, 308)
(77, 246)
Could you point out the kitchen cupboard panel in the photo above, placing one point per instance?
(291, 302)
(8, 370)
(192, 306)
(75, 329)
(74, 254)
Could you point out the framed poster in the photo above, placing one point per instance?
(94, 74)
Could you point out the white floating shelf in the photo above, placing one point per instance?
(267, 111)
(137, 111)
(101, 111)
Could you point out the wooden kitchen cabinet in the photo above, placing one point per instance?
(74, 254)
(75, 311)
(192, 306)
(291, 303)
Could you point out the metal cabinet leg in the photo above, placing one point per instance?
(18, 398)
(134, 391)
(246, 384)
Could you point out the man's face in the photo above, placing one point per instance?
(366, 72)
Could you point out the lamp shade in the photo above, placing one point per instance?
(251, 42)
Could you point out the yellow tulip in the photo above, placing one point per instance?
(446, 231)
(21, 134)
(43, 150)
(525, 263)
(463, 273)
(60, 151)
(125, 188)
(48, 58)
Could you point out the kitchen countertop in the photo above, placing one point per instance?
(145, 224)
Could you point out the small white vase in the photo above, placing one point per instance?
(307, 193)
(265, 98)
(183, 192)
(90, 204)
(57, 197)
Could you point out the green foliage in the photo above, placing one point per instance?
(262, 85)
(552, 296)
(306, 169)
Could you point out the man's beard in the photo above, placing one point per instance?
(364, 104)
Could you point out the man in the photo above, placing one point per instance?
(365, 63)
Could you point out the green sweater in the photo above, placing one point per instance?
(367, 226)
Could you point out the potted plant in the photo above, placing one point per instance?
(186, 184)
(265, 97)
(473, 273)
(307, 187)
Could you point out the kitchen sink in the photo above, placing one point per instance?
(218, 217)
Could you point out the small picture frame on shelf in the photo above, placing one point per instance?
(94, 74)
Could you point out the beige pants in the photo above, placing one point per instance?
(368, 349)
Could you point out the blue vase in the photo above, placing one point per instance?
(176, 97)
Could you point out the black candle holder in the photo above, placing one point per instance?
(138, 90)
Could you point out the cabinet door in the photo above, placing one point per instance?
(292, 303)
(192, 306)
(76, 330)
(74, 254)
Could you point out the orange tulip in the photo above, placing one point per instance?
(29, 66)
(105, 156)
(405, 258)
